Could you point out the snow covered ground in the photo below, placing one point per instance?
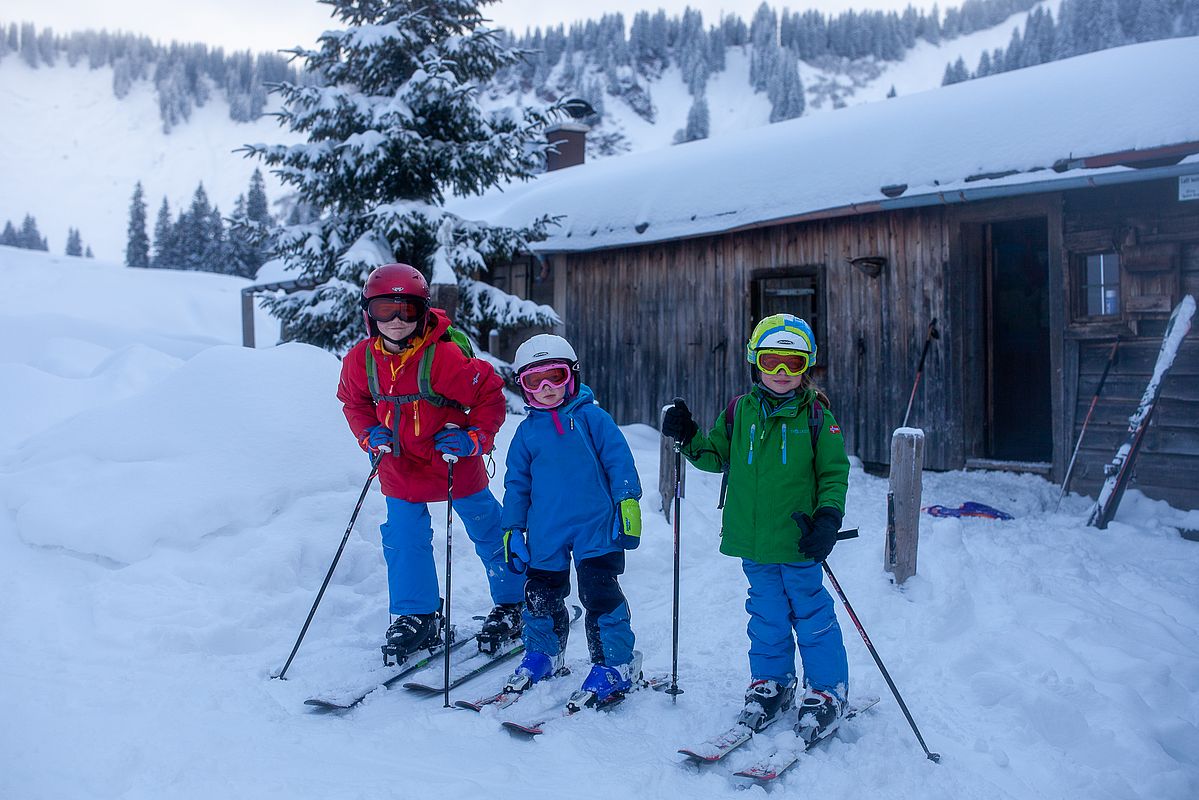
(169, 503)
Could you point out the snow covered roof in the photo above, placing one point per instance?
(997, 135)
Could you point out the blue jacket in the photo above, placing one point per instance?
(568, 468)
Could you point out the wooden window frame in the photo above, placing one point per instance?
(1078, 279)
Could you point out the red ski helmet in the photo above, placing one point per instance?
(392, 279)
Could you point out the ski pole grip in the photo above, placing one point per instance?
(848, 533)
(450, 458)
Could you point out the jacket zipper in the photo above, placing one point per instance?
(784, 443)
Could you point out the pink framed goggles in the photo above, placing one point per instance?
(554, 374)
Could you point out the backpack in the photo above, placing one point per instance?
(815, 423)
(424, 381)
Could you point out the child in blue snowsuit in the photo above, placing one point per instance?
(571, 489)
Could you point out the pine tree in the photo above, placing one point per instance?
(137, 247)
(395, 125)
(164, 239)
(74, 242)
(1153, 21)
(892, 93)
(763, 34)
(788, 99)
(697, 121)
(29, 236)
(88, 252)
(9, 237)
(1014, 53)
(984, 65)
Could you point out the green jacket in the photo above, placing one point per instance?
(772, 473)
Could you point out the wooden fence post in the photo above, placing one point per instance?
(903, 503)
(666, 476)
(247, 317)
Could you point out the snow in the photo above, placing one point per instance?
(70, 154)
(934, 142)
(170, 503)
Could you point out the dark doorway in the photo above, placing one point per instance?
(1019, 397)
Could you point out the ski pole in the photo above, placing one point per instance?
(933, 333)
(329, 575)
(674, 689)
(934, 757)
(1111, 359)
(450, 459)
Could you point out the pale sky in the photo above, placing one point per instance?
(275, 24)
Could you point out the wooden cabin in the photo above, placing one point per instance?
(1038, 216)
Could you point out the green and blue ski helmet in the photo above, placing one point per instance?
(781, 332)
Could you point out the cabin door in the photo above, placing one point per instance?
(1019, 409)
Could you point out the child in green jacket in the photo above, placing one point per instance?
(787, 478)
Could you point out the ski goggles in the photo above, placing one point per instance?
(554, 375)
(387, 308)
(791, 362)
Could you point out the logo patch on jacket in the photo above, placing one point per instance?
(834, 428)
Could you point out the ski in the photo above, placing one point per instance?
(341, 699)
(503, 699)
(1119, 472)
(713, 749)
(577, 702)
(717, 747)
(474, 665)
(783, 759)
(465, 669)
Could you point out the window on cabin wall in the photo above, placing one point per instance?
(798, 291)
(1097, 276)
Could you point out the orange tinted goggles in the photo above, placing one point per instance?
(791, 362)
(385, 309)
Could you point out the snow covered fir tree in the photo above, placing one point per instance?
(395, 124)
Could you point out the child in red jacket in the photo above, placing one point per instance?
(411, 392)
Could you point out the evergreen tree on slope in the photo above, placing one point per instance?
(137, 249)
(396, 125)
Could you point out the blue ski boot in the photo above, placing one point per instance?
(533, 667)
(604, 683)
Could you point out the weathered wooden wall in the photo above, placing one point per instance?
(1168, 466)
(672, 319)
(661, 320)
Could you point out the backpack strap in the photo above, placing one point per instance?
(815, 423)
(730, 411)
(423, 384)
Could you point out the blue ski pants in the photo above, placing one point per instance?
(408, 550)
(789, 605)
(547, 623)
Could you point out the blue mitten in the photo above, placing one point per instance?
(516, 551)
(460, 442)
(376, 438)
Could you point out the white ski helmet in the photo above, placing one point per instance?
(542, 348)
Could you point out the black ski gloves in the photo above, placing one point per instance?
(678, 424)
(818, 532)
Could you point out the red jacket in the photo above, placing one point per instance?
(415, 471)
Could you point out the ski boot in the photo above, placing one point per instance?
(765, 701)
(819, 714)
(534, 667)
(605, 684)
(409, 633)
(503, 625)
